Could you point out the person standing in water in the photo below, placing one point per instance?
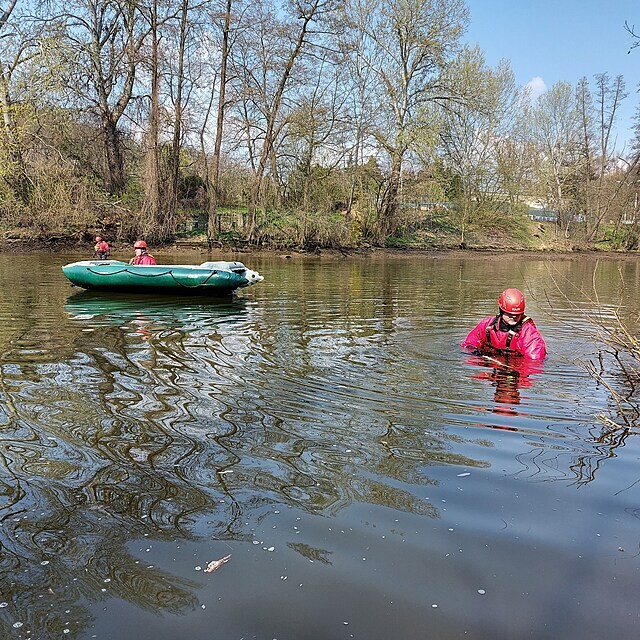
(510, 331)
(101, 250)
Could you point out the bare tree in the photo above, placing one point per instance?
(153, 223)
(597, 120)
(514, 156)
(635, 36)
(556, 131)
(16, 48)
(406, 45)
(315, 142)
(182, 73)
(102, 41)
(362, 100)
(471, 136)
(213, 173)
(169, 85)
(271, 53)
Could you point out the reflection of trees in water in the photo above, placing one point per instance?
(607, 440)
(319, 472)
(613, 330)
(62, 547)
(409, 451)
(553, 462)
(311, 553)
(142, 433)
(86, 473)
(61, 555)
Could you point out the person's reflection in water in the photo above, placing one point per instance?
(507, 374)
(142, 323)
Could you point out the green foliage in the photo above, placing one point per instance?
(191, 186)
(402, 242)
(13, 213)
(289, 229)
(626, 239)
(452, 186)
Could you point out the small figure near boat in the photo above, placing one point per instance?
(101, 250)
(142, 257)
(511, 331)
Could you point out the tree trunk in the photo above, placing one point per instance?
(389, 209)
(254, 198)
(152, 219)
(100, 49)
(16, 174)
(116, 179)
(173, 183)
(213, 218)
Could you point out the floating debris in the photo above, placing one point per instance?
(216, 564)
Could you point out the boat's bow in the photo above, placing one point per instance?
(252, 277)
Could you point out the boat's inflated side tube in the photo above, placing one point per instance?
(223, 266)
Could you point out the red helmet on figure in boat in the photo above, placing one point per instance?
(511, 301)
(139, 244)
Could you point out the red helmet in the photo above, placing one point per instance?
(511, 301)
(139, 244)
(98, 239)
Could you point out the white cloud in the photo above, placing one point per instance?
(536, 87)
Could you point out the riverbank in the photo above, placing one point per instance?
(123, 252)
(478, 247)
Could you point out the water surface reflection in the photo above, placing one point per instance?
(508, 375)
(325, 430)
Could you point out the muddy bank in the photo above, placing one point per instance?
(124, 251)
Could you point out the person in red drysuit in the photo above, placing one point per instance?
(101, 249)
(142, 255)
(508, 332)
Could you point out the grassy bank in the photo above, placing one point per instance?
(528, 235)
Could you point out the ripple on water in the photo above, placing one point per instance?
(324, 427)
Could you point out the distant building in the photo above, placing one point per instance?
(543, 215)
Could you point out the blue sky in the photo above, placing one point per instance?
(551, 40)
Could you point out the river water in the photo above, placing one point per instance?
(323, 429)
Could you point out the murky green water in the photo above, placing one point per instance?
(323, 429)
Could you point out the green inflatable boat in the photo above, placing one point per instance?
(208, 278)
